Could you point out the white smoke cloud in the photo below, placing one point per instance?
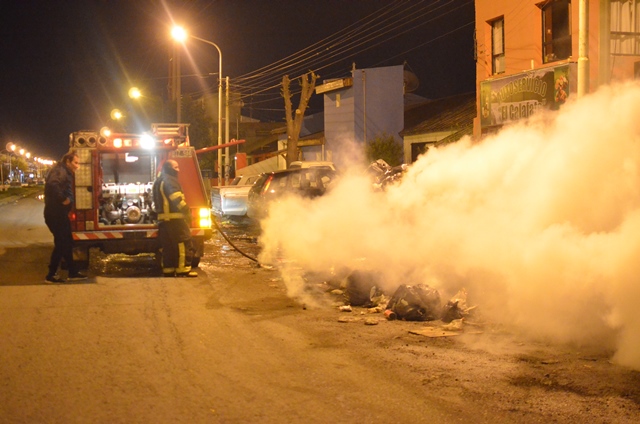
(540, 223)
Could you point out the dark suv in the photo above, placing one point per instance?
(304, 182)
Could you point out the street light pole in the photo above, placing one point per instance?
(178, 86)
(2, 167)
(11, 148)
(220, 164)
(226, 132)
(180, 34)
(15, 150)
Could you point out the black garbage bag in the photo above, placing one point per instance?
(363, 288)
(416, 303)
(382, 174)
(451, 311)
(456, 307)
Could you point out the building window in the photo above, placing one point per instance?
(497, 46)
(556, 30)
(625, 27)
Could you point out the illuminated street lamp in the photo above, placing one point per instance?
(33, 163)
(24, 153)
(116, 115)
(117, 118)
(136, 94)
(179, 34)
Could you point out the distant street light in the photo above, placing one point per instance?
(116, 115)
(136, 94)
(179, 34)
(36, 163)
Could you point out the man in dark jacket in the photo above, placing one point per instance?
(58, 198)
(174, 217)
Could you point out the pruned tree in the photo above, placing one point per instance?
(294, 120)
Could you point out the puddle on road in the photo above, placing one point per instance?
(242, 237)
(218, 252)
(123, 266)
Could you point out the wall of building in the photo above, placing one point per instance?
(339, 124)
(374, 105)
(523, 47)
(425, 141)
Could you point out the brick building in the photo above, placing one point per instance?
(535, 54)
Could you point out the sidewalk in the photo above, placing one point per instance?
(9, 199)
(6, 197)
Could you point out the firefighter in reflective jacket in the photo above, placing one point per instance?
(173, 223)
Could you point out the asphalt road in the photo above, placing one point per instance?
(129, 346)
(230, 346)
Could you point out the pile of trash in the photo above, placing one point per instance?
(418, 302)
(384, 174)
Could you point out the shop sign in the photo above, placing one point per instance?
(519, 96)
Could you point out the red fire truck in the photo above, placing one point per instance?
(113, 199)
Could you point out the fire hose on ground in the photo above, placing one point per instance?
(233, 142)
(215, 222)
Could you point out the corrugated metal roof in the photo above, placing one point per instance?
(449, 113)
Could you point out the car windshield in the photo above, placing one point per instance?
(306, 181)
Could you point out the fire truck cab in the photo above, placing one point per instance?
(114, 209)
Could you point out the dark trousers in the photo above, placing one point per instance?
(60, 227)
(177, 246)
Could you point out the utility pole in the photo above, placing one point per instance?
(226, 131)
(583, 48)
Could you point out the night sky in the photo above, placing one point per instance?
(67, 63)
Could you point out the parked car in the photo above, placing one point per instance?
(231, 200)
(304, 182)
(312, 164)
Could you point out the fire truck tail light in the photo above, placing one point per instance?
(205, 218)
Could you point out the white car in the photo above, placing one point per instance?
(231, 200)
